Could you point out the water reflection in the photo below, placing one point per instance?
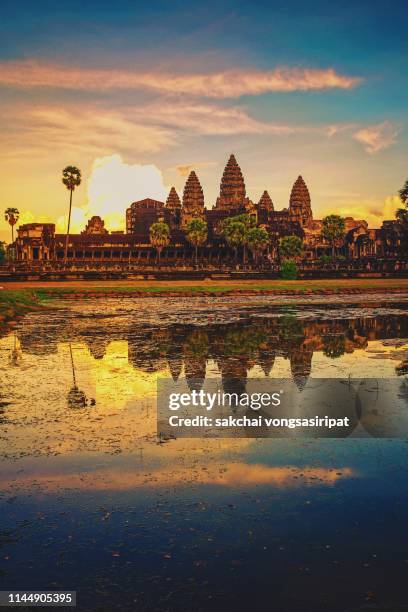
(90, 493)
(236, 348)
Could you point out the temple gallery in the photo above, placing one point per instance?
(96, 246)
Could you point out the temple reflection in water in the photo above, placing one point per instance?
(235, 348)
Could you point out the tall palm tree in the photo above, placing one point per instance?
(333, 229)
(196, 233)
(71, 177)
(258, 241)
(159, 236)
(12, 215)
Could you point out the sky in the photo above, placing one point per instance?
(138, 94)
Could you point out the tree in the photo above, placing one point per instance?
(402, 216)
(403, 194)
(11, 215)
(2, 252)
(249, 223)
(71, 177)
(159, 236)
(333, 230)
(402, 213)
(258, 240)
(196, 232)
(235, 231)
(290, 247)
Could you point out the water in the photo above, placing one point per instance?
(91, 501)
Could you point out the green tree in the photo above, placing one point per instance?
(290, 247)
(196, 232)
(402, 213)
(235, 230)
(403, 194)
(333, 230)
(402, 216)
(234, 234)
(258, 240)
(249, 223)
(12, 215)
(2, 252)
(71, 177)
(159, 236)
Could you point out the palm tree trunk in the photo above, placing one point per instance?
(196, 254)
(12, 234)
(69, 224)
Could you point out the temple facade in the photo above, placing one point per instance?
(39, 241)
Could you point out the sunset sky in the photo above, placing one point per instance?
(137, 94)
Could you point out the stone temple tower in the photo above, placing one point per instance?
(300, 209)
(266, 202)
(232, 188)
(173, 201)
(193, 200)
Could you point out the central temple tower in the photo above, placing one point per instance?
(300, 209)
(232, 188)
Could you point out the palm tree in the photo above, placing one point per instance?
(196, 233)
(234, 234)
(71, 177)
(159, 236)
(403, 194)
(258, 241)
(290, 247)
(2, 252)
(249, 222)
(333, 230)
(11, 215)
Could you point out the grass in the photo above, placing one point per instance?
(18, 298)
(14, 303)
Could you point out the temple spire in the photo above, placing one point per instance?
(193, 199)
(266, 202)
(232, 187)
(299, 204)
(173, 201)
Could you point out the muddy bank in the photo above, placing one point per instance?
(15, 304)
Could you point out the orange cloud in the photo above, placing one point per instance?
(377, 137)
(226, 84)
(373, 211)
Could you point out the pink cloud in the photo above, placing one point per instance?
(377, 137)
(225, 84)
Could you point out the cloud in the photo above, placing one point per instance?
(377, 137)
(373, 211)
(76, 129)
(226, 84)
(208, 119)
(111, 187)
(184, 170)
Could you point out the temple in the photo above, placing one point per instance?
(96, 246)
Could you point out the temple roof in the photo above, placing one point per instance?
(173, 201)
(232, 187)
(266, 201)
(300, 195)
(193, 196)
(147, 203)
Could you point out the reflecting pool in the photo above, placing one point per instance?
(91, 500)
